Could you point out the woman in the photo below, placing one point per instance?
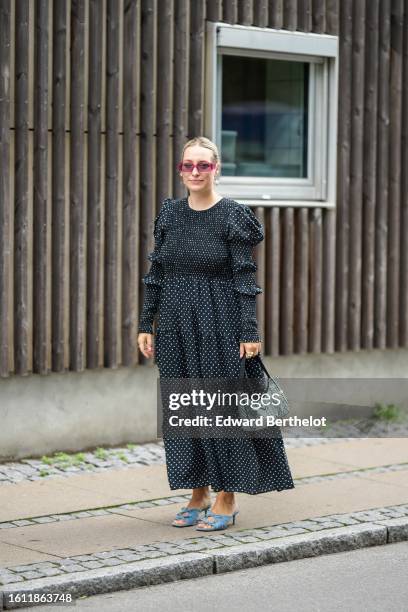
(202, 283)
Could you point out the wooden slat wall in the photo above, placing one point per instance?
(98, 97)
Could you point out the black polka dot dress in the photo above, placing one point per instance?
(201, 284)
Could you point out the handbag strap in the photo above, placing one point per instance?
(242, 366)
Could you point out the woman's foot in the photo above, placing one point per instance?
(225, 503)
(201, 498)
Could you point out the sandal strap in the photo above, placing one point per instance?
(219, 516)
(221, 520)
(186, 513)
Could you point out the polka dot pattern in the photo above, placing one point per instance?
(202, 288)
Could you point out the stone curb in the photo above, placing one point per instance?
(192, 565)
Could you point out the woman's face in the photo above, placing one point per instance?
(195, 180)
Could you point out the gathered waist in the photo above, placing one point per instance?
(227, 274)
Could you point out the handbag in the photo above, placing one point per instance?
(276, 403)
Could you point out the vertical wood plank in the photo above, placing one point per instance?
(287, 280)
(381, 222)
(180, 91)
(394, 204)
(369, 174)
(94, 184)
(301, 280)
(305, 10)
(21, 169)
(148, 203)
(290, 13)
(77, 206)
(131, 268)
(328, 280)
(214, 10)
(58, 243)
(110, 319)
(246, 12)
(315, 276)
(40, 170)
(343, 176)
(330, 26)
(356, 169)
(230, 11)
(275, 14)
(5, 247)
(196, 67)
(403, 338)
(165, 64)
(260, 13)
(260, 260)
(319, 16)
(332, 16)
(273, 281)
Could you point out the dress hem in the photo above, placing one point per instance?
(207, 484)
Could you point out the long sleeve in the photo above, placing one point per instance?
(153, 279)
(244, 232)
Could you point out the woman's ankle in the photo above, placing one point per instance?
(200, 495)
(226, 500)
(226, 497)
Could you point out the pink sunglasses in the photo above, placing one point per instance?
(202, 166)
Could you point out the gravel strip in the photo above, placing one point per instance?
(140, 455)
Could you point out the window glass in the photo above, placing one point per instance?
(264, 117)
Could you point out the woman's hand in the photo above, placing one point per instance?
(145, 342)
(249, 347)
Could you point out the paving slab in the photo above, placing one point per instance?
(31, 499)
(94, 534)
(10, 554)
(399, 478)
(341, 495)
(369, 452)
(83, 491)
(303, 465)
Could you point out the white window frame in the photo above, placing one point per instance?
(321, 50)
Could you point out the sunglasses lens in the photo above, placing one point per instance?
(201, 167)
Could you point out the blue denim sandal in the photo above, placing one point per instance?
(190, 516)
(222, 521)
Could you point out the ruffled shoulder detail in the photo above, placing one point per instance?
(158, 230)
(244, 226)
(244, 232)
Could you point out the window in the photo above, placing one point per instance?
(271, 107)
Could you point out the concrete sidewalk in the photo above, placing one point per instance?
(94, 533)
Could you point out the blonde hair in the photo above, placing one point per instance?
(202, 141)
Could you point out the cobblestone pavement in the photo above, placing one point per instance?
(117, 458)
(175, 499)
(80, 563)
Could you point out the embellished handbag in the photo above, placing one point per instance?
(275, 401)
